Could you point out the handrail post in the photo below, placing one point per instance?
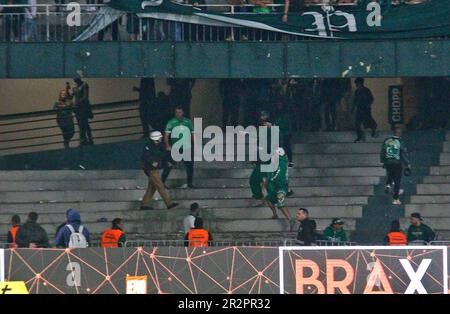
(47, 13)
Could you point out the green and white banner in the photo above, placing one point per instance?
(364, 21)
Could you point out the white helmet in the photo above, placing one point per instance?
(155, 136)
(280, 151)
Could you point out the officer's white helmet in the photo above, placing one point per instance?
(155, 136)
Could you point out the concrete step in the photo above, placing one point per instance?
(207, 214)
(428, 210)
(446, 147)
(337, 148)
(436, 223)
(436, 179)
(118, 184)
(181, 174)
(440, 170)
(184, 194)
(435, 188)
(348, 148)
(98, 206)
(336, 137)
(445, 159)
(430, 199)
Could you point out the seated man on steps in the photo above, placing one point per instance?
(154, 158)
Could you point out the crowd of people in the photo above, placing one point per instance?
(270, 103)
(72, 233)
(292, 105)
(21, 23)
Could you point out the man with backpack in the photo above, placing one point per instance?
(73, 234)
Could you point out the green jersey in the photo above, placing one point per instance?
(394, 150)
(278, 186)
(182, 127)
(280, 176)
(329, 234)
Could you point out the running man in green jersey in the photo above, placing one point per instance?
(393, 156)
(278, 187)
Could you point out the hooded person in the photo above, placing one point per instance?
(72, 234)
(65, 222)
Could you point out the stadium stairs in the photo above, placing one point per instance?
(332, 177)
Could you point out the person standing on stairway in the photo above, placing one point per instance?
(154, 158)
(147, 98)
(362, 102)
(83, 111)
(393, 156)
(177, 130)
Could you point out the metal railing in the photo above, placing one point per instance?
(49, 24)
(244, 243)
(37, 130)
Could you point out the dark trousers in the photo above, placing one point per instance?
(330, 115)
(67, 128)
(364, 117)
(394, 176)
(189, 169)
(114, 31)
(85, 129)
(287, 145)
(13, 21)
(230, 115)
(145, 115)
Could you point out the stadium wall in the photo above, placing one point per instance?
(232, 270)
(376, 58)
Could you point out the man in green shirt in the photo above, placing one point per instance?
(393, 156)
(277, 187)
(335, 231)
(179, 130)
(418, 231)
(258, 178)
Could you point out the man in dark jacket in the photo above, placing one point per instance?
(419, 231)
(147, 99)
(154, 158)
(31, 234)
(74, 220)
(307, 230)
(230, 90)
(362, 102)
(83, 111)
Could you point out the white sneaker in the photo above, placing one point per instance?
(184, 186)
(397, 202)
(387, 189)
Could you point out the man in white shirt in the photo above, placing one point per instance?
(189, 220)
(30, 33)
